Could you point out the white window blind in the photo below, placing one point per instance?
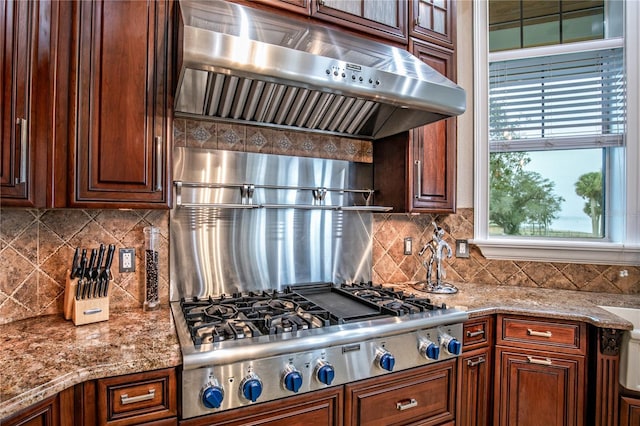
(564, 101)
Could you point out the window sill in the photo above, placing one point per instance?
(559, 251)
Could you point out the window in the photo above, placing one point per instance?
(556, 149)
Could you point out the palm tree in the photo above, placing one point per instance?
(589, 187)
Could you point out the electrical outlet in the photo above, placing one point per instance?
(127, 260)
(408, 243)
(462, 248)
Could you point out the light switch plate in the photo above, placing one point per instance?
(408, 246)
(462, 248)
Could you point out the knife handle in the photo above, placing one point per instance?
(74, 266)
(92, 260)
(107, 265)
(99, 262)
(83, 264)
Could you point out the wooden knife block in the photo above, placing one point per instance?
(83, 311)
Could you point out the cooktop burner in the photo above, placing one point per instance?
(302, 307)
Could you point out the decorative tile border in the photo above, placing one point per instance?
(236, 137)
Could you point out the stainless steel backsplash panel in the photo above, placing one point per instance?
(217, 251)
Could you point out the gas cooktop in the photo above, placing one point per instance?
(309, 306)
(244, 348)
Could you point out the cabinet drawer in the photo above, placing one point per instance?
(425, 395)
(478, 333)
(562, 336)
(137, 398)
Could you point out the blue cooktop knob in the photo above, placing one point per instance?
(293, 381)
(251, 389)
(433, 351)
(454, 347)
(387, 361)
(212, 396)
(325, 374)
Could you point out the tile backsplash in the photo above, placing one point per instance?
(37, 246)
(391, 265)
(36, 249)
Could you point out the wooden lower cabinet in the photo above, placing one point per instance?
(320, 408)
(143, 398)
(423, 395)
(55, 411)
(474, 388)
(539, 388)
(629, 411)
(475, 373)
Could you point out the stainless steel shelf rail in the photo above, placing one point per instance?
(247, 191)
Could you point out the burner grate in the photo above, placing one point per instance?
(242, 316)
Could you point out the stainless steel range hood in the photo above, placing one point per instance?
(246, 65)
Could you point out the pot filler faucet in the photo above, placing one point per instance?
(436, 247)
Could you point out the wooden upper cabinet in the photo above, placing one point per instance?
(432, 171)
(415, 171)
(297, 6)
(381, 19)
(25, 108)
(122, 121)
(433, 21)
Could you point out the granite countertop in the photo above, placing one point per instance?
(583, 306)
(44, 355)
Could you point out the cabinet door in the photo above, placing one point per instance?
(297, 6)
(381, 19)
(432, 161)
(44, 413)
(629, 411)
(121, 129)
(433, 21)
(474, 379)
(538, 388)
(18, 72)
(54, 411)
(15, 44)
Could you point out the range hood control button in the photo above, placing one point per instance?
(251, 387)
(429, 350)
(212, 396)
(292, 379)
(325, 373)
(385, 360)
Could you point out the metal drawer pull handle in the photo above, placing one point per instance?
(125, 399)
(531, 332)
(545, 361)
(23, 149)
(405, 405)
(472, 363)
(475, 333)
(418, 166)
